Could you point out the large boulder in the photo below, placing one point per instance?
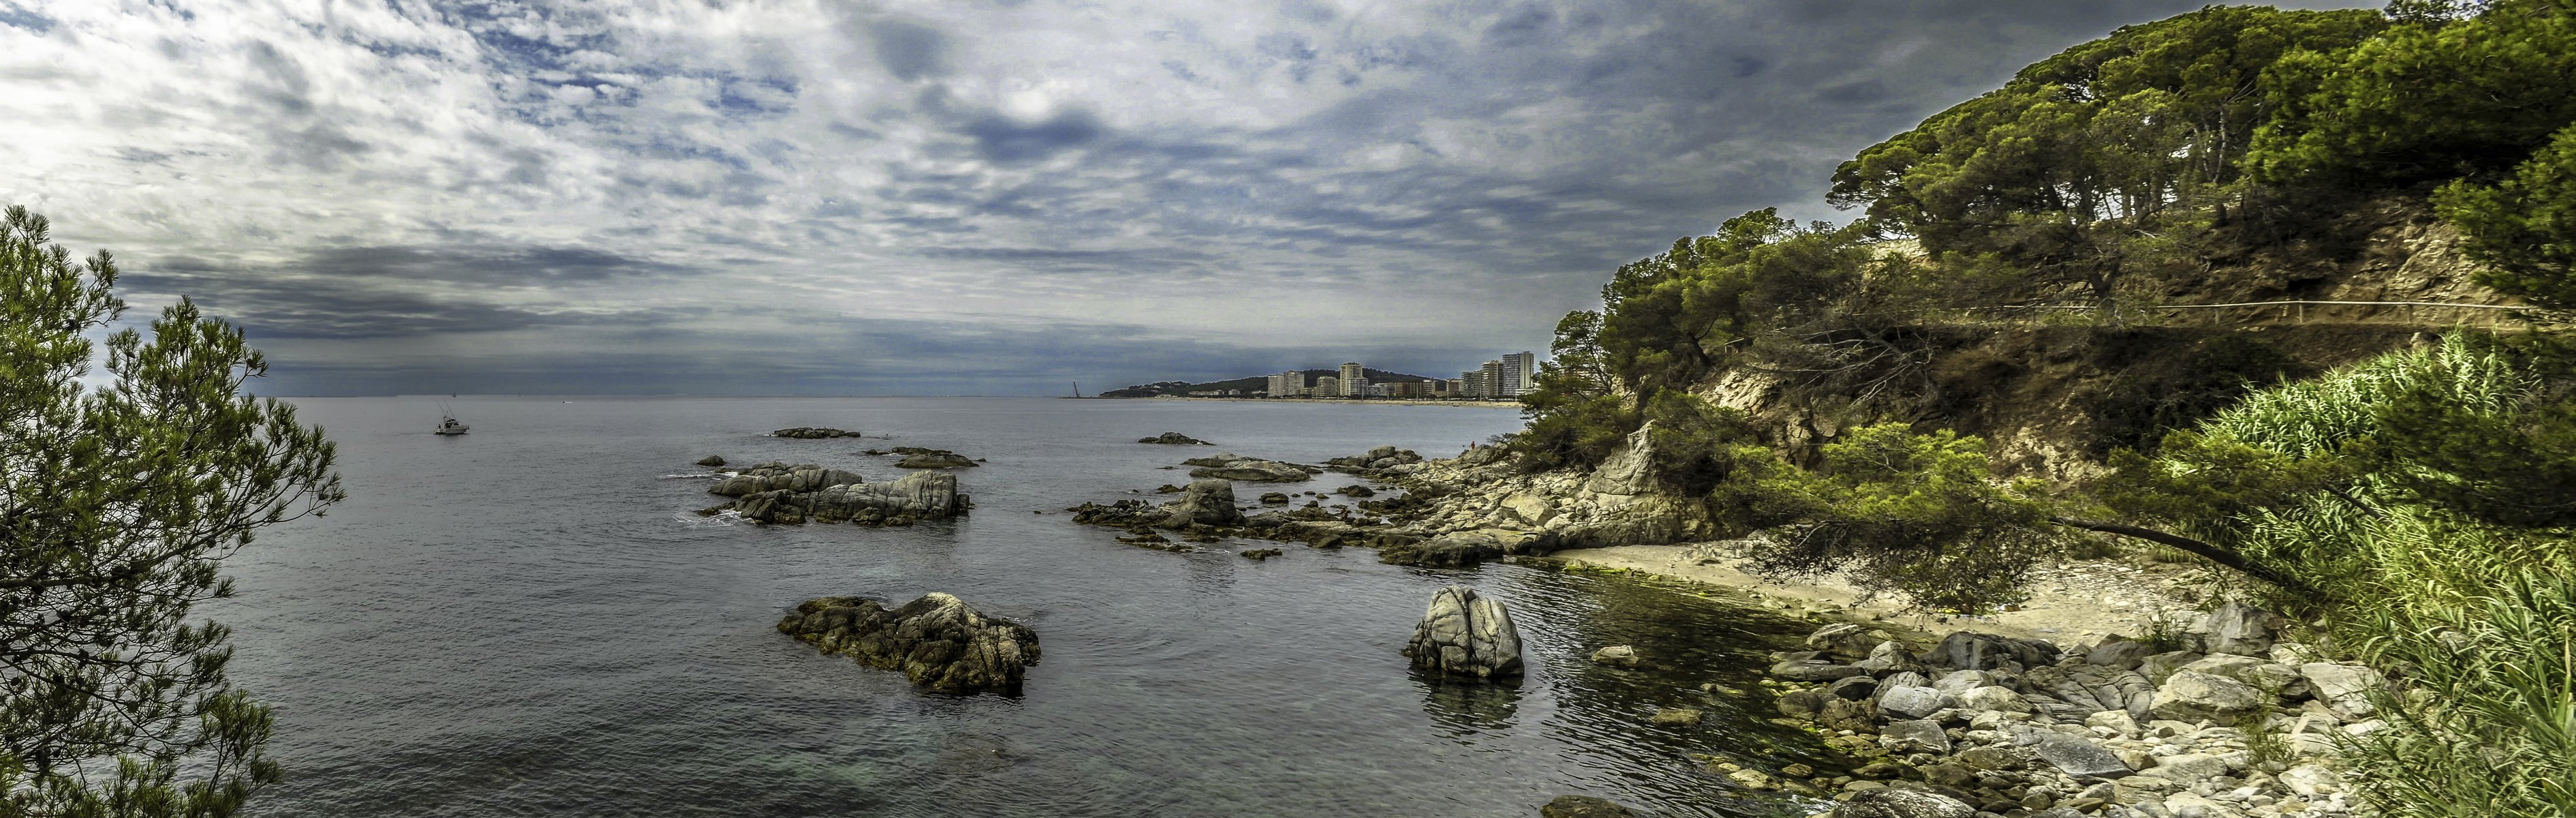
(1890, 657)
(1914, 702)
(2192, 696)
(776, 476)
(1174, 439)
(1967, 650)
(2240, 629)
(1205, 502)
(2125, 654)
(2077, 757)
(937, 641)
(712, 460)
(1914, 736)
(1466, 635)
(2348, 689)
(1814, 670)
(1895, 803)
(1846, 640)
(1255, 471)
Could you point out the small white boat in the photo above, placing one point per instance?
(449, 426)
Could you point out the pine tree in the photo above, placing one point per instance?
(117, 506)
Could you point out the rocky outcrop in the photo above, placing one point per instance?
(777, 476)
(1254, 470)
(813, 433)
(1466, 635)
(915, 457)
(937, 641)
(1174, 439)
(780, 493)
(711, 461)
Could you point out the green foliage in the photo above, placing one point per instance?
(2430, 492)
(2070, 170)
(116, 506)
(1697, 445)
(2524, 228)
(2432, 99)
(2488, 723)
(2156, 394)
(1918, 515)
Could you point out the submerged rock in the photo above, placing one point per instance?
(937, 641)
(1174, 439)
(1583, 806)
(1620, 655)
(1466, 635)
(1255, 471)
(1896, 803)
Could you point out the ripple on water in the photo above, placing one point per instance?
(512, 624)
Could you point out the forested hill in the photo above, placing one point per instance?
(2018, 259)
(2036, 337)
(1256, 383)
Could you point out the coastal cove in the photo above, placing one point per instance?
(529, 619)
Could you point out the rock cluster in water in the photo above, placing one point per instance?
(915, 457)
(1466, 635)
(1375, 460)
(936, 641)
(813, 433)
(1174, 439)
(1249, 469)
(2240, 724)
(776, 492)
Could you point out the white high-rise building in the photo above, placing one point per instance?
(1354, 381)
(1326, 385)
(1517, 369)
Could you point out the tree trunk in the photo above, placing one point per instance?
(2215, 554)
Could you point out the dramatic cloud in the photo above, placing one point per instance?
(808, 196)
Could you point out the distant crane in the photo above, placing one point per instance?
(1077, 389)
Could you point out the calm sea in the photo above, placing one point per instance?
(527, 621)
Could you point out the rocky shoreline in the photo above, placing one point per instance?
(2070, 716)
(2235, 723)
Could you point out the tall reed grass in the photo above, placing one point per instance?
(2476, 623)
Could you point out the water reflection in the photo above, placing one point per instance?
(1464, 710)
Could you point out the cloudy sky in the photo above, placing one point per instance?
(947, 197)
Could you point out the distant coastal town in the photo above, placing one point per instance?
(1496, 380)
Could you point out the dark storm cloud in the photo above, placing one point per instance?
(374, 292)
(1002, 139)
(910, 51)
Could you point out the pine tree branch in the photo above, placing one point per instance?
(2214, 553)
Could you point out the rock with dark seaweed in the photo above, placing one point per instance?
(937, 641)
(813, 433)
(1174, 439)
